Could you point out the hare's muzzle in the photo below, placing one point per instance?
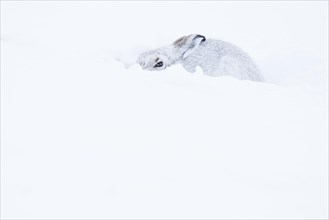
(142, 64)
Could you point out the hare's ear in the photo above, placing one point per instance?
(193, 43)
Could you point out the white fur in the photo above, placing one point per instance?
(215, 57)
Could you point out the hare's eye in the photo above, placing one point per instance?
(159, 64)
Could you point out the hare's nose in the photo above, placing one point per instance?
(142, 64)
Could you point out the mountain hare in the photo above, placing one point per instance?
(215, 57)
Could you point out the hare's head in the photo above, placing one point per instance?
(154, 60)
(161, 58)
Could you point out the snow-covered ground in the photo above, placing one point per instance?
(86, 133)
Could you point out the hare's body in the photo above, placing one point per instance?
(215, 58)
(219, 58)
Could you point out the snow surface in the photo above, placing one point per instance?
(85, 133)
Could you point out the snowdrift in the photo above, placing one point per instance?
(85, 133)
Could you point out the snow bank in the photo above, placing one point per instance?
(85, 133)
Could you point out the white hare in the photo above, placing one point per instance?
(215, 57)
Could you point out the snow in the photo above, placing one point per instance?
(86, 133)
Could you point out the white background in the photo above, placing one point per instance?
(85, 133)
